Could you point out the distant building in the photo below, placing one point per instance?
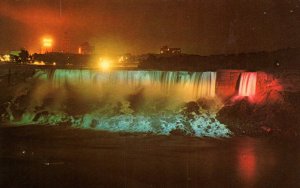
(126, 58)
(86, 48)
(170, 51)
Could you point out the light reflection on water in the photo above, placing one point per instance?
(247, 162)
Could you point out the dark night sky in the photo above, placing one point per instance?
(141, 26)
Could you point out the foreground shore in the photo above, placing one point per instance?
(53, 156)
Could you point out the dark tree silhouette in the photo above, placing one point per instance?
(24, 55)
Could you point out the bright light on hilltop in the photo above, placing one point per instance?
(47, 42)
(104, 64)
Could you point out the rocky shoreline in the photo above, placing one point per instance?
(244, 118)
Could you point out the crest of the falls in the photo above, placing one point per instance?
(184, 85)
(247, 86)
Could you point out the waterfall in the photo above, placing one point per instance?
(247, 85)
(120, 101)
(188, 86)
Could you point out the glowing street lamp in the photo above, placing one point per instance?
(104, 64)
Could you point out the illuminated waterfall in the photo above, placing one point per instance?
(188, 86)
(247, 85)
(122, 101)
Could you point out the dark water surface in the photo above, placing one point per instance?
(41, 156)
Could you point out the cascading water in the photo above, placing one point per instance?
(129, 101)
(190, 86)
(247, 85)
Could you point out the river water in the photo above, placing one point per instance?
(57, 156)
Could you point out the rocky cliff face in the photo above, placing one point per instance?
(272, 111)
